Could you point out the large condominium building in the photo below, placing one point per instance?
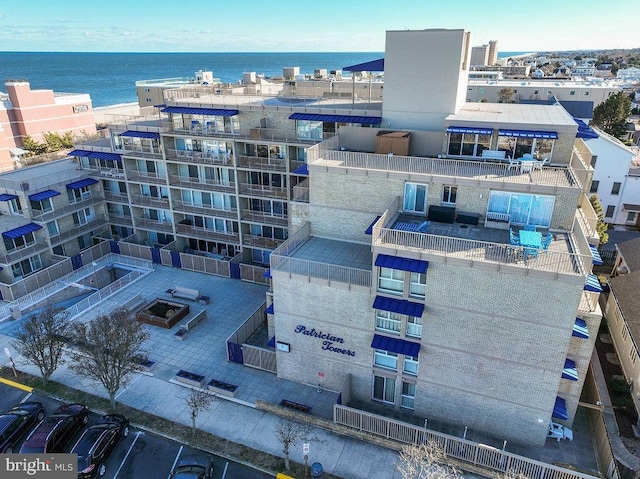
(395, 277)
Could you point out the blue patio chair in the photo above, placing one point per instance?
(530, 227)
(514, 239)
(546, 241)
(423, 227)
(531, 253)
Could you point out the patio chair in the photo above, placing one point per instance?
(546, 241)
(531, 253)
(530, 228)
(423, 227)
(513, 163)
(514, 239)
(538, 164)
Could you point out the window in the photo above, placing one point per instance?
(615, 190)
(482, 89)
(388, 321)
(408, 395)
(418, 285)
(391, 280)
(414, 327)
(14, 206)
(79, 194)
(586, 93)
(572, 92)
(309, 130)
(52, 228)
(535, 92)
(20, 242)
(594, 186)
(27, 266)
(83, 217)
(415, 198)
(523, 208)
(594, 159)
(42, 205)
(385, 359)
(467, 144)
(631, 217)
(610, 210)
(410, 365)
(384, 389)
(449, 194)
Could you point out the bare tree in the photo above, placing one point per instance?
(425, 461)
(291, 433)
(41, 339)
(197, 400)
(107, 348)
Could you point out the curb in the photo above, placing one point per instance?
(17, 385)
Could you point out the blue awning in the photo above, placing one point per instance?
(7, 197)
(400, 306)
(21, 231)
(369, 229)
(372, 66)
(199, 111)
(560, 409)
(267, 274)
(580, 329)
(584, 131)
(405, 264)
(140, 134)
(80, 153)
(102, 155)
(395, 345)
(593, 284)
(301, 170)
(269, 310)
(552, 135)
(43, 195)
(597, 259)
(570, 371)
(363, 120)
(471, 130)
(76, 185)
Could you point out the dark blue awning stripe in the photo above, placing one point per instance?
(200, 111)
(570, 371)
(369, 229)
(597, 259)
(400, 306)
(301, 170)
(469, 129)
(405, 264)
(140, 134)
(560, 409)
(371, 66)
(103, 155)
(593, 285)
(21, 231)
(81, 183)
(363, 120)
(43, 195)
(269, 310)
(395, 345)
(80, 153)
(584, 131)
(272, 342)
(7, 197)
(580, 329)
(529, 134)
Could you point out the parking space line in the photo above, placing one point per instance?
(224, 473)
(127, 454)
(26, 398)
(175, 461)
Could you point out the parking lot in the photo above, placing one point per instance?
(141, 455)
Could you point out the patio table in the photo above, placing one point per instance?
(530, 239)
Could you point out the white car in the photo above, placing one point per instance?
(558, 431)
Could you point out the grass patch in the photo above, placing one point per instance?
(179, 432)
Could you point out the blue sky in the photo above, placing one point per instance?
(320, 26)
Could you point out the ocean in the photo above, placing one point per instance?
(110, 77)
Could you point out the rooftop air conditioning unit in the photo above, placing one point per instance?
(622, 269)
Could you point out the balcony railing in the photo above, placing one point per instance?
(261, 241)
(120, 219)
(57, 212)
(116, 197)
(301, 192)
(263, 191)
(260, 217)
(179, 205)
(146, 177)
(199, 157)
(144, 152)
(587, 216)
(19, 254)
(153, 201)
(78, 230)
(207, 234)
(154, 225)
(260, 163)
(199, 184)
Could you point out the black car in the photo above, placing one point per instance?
(17, 422)
(97, 443)
(193, 467)
(56, 430)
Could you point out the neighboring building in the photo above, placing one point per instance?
(508, 71)
(584, 70)
(480, 56)
(631, 74)
(25, 112)
(493, 53)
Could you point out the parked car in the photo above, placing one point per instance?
(558, 431)
(14, 424)
(97, 442)
(193, 467)
(55, 431)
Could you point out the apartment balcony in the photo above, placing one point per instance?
(22, 253)
(207, 234)
(587, 217)
(120, 220)
(199, 157)
(262, 191)
(43, 216)
(116, 197)
(301, 192)
(260, 163)
(183, 207)
(279, 135)
(108, 173)
(146, 177)
(143, 152)
(266, 218)
(198, 184)
(78, 230)
(261, 241)
(151, 201)
(153, 225)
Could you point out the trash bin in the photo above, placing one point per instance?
(316, 471)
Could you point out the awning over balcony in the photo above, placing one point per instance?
(43, 195)
(21, 231)
(580, 329)
(584, 131)
(405, 264)
(80, 153)
(140, 134)
(400, 306)
(395, 345)
(469, 129)
(552, 135)
(560, 409)
(570, 372)
(103, 155)
(301, 170)
(369, 229)
(597, 259)
(199, 111)
(630, 207)
(269, 310)
(593, 285)
(363, 120)
(372, 66)
(76, 185)
(7, 197)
